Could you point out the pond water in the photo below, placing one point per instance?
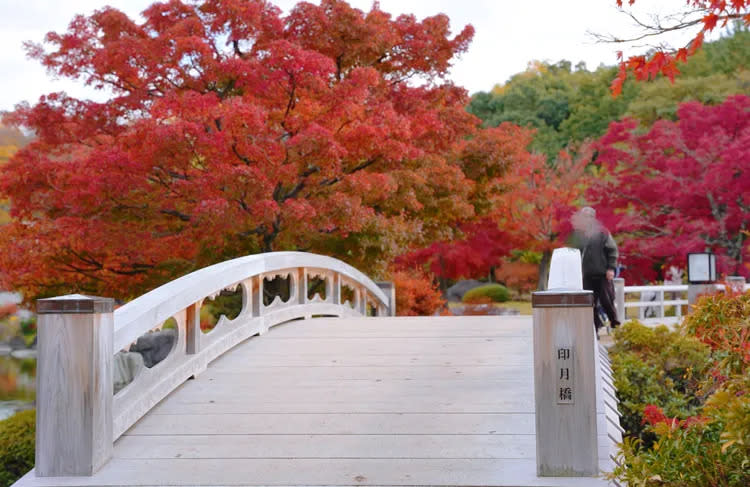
(17, 385)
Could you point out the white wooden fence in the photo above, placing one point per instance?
(663, 304)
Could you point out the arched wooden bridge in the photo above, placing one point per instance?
(310, 391)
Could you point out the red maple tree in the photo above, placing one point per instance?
(537, 200)
(705, 15)
(680, 187)
(232, 130)
(482, 247)
(526, 207)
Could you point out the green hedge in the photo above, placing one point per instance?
(495, 292)
(16, 446)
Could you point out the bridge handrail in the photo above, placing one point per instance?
(138, 316)
(105, 337)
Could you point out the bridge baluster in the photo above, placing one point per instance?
(193, 328)
(303, 283)
(337, 288)
(257, 292)
(362, 304)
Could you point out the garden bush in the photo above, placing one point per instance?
(16, 446)
(416, 294)
(519, 276)
(685, 398)
(495, 292)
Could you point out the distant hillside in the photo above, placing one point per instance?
(569, 104)
(10, 141)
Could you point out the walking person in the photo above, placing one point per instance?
(599, 261)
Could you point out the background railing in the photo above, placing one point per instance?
(663, 304)
(155, 342)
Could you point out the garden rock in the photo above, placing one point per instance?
(127, 366)
(155, 346)
(17, 343)
(456, 292)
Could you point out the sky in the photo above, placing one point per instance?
(509, 34)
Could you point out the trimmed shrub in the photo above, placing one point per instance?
(494, 292)
(16, 446)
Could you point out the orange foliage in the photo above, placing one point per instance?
(416, 294)
(521, 276)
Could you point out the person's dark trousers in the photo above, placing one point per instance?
(603, 294)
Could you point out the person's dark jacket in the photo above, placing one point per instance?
(598, 253)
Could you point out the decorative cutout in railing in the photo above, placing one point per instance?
(275, 288)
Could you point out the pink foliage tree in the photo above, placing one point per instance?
(679, 187)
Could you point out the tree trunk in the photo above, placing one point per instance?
(544, 270)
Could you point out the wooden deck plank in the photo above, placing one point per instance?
(321, 472)
(335, 424)
(422, 446)
(337, 373)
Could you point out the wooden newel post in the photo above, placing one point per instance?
(565, 384)
(74, 385)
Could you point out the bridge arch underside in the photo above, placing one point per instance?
(350, 401)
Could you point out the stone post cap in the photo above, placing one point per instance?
(75, 304)
(562, 298)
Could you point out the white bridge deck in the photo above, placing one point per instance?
(355, 401)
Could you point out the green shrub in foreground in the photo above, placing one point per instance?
(16, 446)
(712, 449)
(686, 398)
(659, 367)
(494, 292)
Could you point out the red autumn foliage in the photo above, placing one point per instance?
(538, 199)
(234, 130)
(416, 294)
(722, 321)
(482, 248)
(713, 13)
(521, 276)
(654, 415)
(680, 187)
(527, 204)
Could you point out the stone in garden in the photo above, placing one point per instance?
(17, 343)
(456, 292)
(126, 367)
(155, 346)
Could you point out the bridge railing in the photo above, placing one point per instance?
(82, 340)
(663, 304)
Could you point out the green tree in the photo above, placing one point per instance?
(567, 106)
(564, 105)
